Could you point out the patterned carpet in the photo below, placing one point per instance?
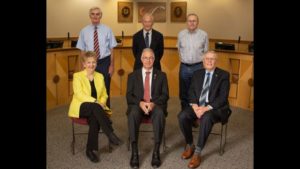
(238, 151)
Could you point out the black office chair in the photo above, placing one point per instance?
(223, 136)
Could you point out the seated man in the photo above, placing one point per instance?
(147, 96)
(208, 98)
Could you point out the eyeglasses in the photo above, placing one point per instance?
(192, 20)
(148, 58)
(210, 59)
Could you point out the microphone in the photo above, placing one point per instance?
(68, 35)
(239, 40)
(122, 34)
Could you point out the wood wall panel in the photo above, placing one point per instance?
(59, 65)
(51, 86)
(170, 65)
(61, 62)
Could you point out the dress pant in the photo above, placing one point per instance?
(186, 119)
(185, 77)
(102, 67)
(97, 118)
(135, 116)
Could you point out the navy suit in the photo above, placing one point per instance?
(217, 98)
(138, 45)
(159, 96)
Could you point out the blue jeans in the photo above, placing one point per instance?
(185, 77)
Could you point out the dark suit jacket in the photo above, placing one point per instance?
(218, 91)
(157, 45)
(159, 89)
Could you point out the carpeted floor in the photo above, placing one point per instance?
(238, 152)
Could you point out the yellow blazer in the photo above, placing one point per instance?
(82, 91)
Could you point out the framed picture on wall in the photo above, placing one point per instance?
(125, 12)
(178, 11)
(157, 9)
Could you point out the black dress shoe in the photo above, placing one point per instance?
(92, 156)
(155, 160)
(134, 160)
(114, 139)
(155, 156)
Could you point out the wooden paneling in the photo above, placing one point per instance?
(51, 86)
(65, 61)
(60, 67)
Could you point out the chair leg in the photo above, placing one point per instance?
(109, 144)
(109, 147)
(164, 142)
(223, 139)
(128, 143)
(73, 141)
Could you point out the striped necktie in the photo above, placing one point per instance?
(96, 43)
(204, 91)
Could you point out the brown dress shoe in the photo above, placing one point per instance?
(195, 161)
(188, 152)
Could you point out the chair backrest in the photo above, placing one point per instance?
(82, 121)
(146, 119)
(229, 113)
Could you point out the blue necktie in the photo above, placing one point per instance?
(147, 39)
(204, 91)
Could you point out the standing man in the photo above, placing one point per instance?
(99, 38)
(147, 38)
(192, 43)
(208, 98)
(147, 96)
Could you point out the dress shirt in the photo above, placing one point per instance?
(192, 45)
(106, 39)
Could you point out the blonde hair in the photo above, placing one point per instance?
(88, 54)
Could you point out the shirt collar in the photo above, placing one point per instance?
(211, 72)
(144, 32)
(144, 70)
(98, 26)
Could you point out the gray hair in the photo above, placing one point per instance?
(148, 50)
(95, 8)
(148, 14)
(210, 52)
(192, 14)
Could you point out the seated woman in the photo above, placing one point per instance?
(89, 101)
